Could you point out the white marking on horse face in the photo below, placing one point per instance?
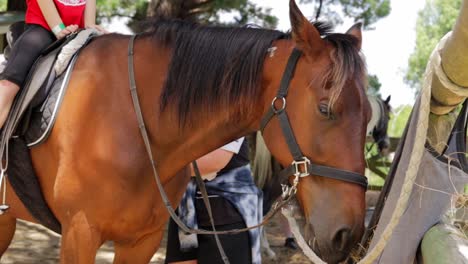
(272, 51)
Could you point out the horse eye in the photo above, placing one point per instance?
(324, 109)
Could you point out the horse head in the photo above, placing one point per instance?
(326, 109)
(379, 132)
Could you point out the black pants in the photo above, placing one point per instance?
(237, 247)
(25, 51)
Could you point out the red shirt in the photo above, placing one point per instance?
(71, 12)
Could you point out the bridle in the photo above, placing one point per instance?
(301, 165)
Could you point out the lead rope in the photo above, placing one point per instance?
(415, 159)
(434, 65)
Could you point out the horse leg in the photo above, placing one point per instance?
(139, 252)
(80, 241)
(265, 246)
(7, 231)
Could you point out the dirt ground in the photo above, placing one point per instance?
(34, 244)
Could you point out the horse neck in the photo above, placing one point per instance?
(176, 146)
(185, 144)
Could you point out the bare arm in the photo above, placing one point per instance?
(90, 16)
(50, 12)
(212, 162)
(52, 17)
(90, 13)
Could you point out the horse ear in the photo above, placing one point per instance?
(388, 99)
(356, 32)
(303, 32)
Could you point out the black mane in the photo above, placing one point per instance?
(214, 66)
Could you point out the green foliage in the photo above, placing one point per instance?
(365, 11)
(121, 8)
(398, 120)
(377, 165)
(243, 11)
(374, 179)
(3, 5)
(373, 87)
(434, 21)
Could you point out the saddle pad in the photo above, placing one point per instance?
(45, 105)
(43, 117)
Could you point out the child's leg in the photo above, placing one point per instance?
(26, 50)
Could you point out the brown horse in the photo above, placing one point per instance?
(199, 87)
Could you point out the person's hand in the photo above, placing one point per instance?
(98, 28)
(67, 31)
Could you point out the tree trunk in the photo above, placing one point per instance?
(166, 9)
(181, 9)
(454, 58)
(444, 244)
(454, 62)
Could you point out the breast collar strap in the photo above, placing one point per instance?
(301, 166)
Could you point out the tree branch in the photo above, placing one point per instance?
(199, 4)
(195, 12)
(319, 10)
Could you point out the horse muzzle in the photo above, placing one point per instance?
(334, 247)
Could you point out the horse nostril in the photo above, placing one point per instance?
(341, 239)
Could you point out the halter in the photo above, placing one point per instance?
(301, 165)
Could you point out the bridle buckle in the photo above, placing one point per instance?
(301, 164)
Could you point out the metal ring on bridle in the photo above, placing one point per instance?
(275, 110)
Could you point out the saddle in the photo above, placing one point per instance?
(32, 117)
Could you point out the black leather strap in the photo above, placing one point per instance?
(167, 204)
(144, 135)
(284, 86)
(206, 201)
(289, 72)
(328, 172)
(289, 136)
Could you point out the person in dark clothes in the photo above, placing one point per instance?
(236, 202)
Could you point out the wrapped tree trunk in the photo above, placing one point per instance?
(444, 244)
(454, 62)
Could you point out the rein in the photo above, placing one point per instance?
(164, 197)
